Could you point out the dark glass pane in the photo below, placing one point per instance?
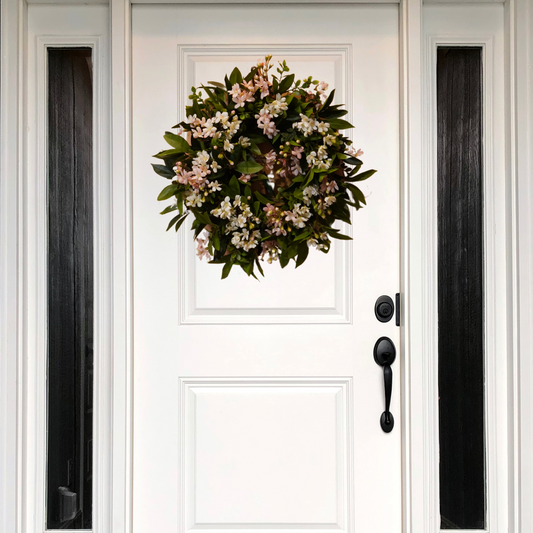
(460, 275)
(70, 289)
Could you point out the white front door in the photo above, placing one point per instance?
(257, 404)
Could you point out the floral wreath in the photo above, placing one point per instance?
(265, 170)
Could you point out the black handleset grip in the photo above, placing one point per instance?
(384, 355)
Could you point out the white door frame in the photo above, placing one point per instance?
(114, 406)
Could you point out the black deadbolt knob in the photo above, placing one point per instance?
(384, 308)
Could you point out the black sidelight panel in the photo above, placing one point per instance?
(70, 289)
(460, 277)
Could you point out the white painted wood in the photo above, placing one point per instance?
(482, 26)
(120, 497)
(64, 26)
(519, 41)
(227, 410)
(188, 43)
(419, 386)
(12, 38)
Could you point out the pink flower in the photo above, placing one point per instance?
(201, 250)
(353, 152)
(332, 186)
(245, 178)
(249, 85)
(297, 151)
(263, 84)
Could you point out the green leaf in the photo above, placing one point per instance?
(234, 186)
(248, 167)
(357, 193)
(201, 216)
(166, 153)
(339, 124)
(248, 267)
(216, 242)
(328, 101)
(309, 178)
(178, 142)
(169, 209)
(162, 170)
(302, 235)
(283, 260)
(235, 76)
(167, 192)
(336, 234)
(364, 175)
(303, 252)
(251, 74)
(340, 236)
(217, 84)
(226, 270)
(286, 83)
(292, 250)
(258, 139)
(261, 198)
(255, 149)
(173, 221)
(259, 267)
(181, 221)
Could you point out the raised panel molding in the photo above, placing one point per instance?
(339, 310)
(248, 411)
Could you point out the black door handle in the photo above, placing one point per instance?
(384, 355)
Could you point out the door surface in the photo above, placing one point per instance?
(257, 404)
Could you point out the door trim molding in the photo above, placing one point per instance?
(419, 460)
(494, 277)
(519, 56)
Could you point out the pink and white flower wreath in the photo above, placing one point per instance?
(265, 170)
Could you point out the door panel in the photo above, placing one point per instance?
(257, 404)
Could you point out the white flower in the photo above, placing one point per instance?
(311, 158)
(270, 129)
(241, 220)
(322, 152)
(307, 125)
(201, 158)
(329, 139)
(309, 191)
(328, 200)
(209, 129)
(277, 106)
(225, 210)
(194, 200)
(228, 146)
(215, 166)
(244, 142)
(323, 127)
(324, 165)
(193, 120)
(214, 186)
(223, 118)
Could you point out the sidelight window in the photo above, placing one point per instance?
(460, 283)
(70, 289)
